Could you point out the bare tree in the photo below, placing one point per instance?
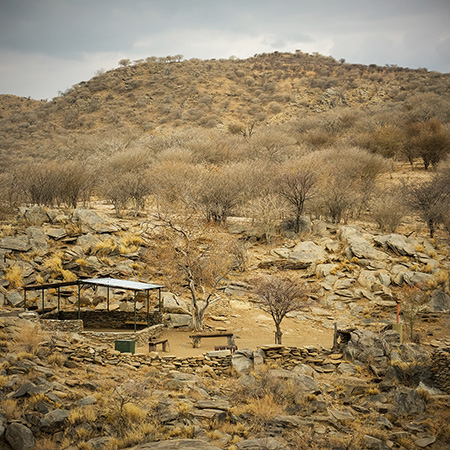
(296, 187)
(195, 258)
(278, 296)
(430, 199)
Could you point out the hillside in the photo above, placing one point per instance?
(267, 89)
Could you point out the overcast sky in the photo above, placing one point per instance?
(47, 46)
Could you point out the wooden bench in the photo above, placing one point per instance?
(140, 323)
(197, 337)
(153, 342)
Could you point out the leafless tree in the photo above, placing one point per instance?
(296, 187)
(278, 296)
(195, 258)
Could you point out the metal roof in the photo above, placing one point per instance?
(122, 284)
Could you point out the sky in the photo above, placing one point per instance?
(47, 46)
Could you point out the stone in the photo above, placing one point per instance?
(408, 402)
(440, 301)
(56, 233)
(176, 444)
(15, 299)
(242, 361)
(20, 437)
(36, 215)
(375, 443)
(221, 404)
(400, 245)
(307, 252)
(17, 243)
(425, 442)
(173, 304)
(101, 443)
(341, 415)
(94, 221)
(23, 390)
(418, 278)
(89, 400)
(266, 443)
(177, 320)
(54, 420)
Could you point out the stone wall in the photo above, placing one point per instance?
(105, 319)
(441, 368)
(71, 326)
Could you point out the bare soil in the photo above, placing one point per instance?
(252, 328)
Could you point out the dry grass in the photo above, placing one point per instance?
(14, 274)
(29, 339)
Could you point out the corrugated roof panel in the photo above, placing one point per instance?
(122, 284)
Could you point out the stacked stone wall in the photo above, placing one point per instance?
(441, 368)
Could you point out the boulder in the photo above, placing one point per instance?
(38, 240)
(176, 444)
(400, 245)
(36, 215)
(266, 443)
(94, 221)
(242, 361)
(20, 437)
(440, 301)
(173, 304)
(177, 320)
(307, 252)
(54, 420)
(358, 246)
(15, 299)
(408, 402)
(16, 243)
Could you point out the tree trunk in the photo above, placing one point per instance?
(278, 334)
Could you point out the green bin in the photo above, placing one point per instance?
(125, 346)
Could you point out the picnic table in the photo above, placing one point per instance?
(197, 337)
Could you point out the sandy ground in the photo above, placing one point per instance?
(252, 328)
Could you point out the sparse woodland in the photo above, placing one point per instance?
(181, 151)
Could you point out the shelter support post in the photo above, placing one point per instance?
(107, 298)
(79, 302)
(135, 311)
(148, 306)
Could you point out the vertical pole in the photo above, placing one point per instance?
(398, 312)
(79, 301)
(159, 300)
(25, 299)
(42, 301)
(148, 312)
(59, 298)
(135, 311)
(107, 298)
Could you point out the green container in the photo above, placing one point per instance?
(125, 346)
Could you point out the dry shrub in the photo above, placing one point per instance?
(264, 409)
(10, 409)
(46, 443)
(29, 339)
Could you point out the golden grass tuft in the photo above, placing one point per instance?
(14, 274)
(29, 339)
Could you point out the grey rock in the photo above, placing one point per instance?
(221, 404)
(89, 400)
(94, 221)
(358, 246)
(341, 415)
(56, 233)
(267, 443)
(307, 252)
(15, 299)
(418, 278)
(54, 420)
(35, 215)
(17, 243)
(178, 320)
(23, 390)
(173, 304)
(101, 443)
(440, 301)
(242, 361)
(400, 245)
(425, 442)
(181, 444)
(375, 443)
(20, 437)
(408, 402)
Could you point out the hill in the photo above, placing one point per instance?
(268, 89)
